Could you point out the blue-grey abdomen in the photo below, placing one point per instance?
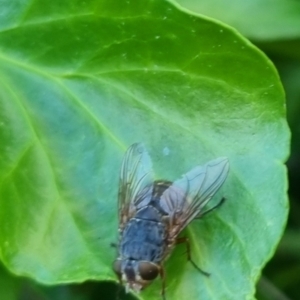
(144, 238)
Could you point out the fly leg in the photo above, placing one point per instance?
(163, 280)
(188, 251)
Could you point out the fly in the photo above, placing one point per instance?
(153, 213)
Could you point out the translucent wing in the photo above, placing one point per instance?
(135, 186)
(185, 198)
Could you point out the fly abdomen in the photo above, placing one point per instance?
(143, 239)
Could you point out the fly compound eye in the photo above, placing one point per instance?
(117, 267)
(148, 271)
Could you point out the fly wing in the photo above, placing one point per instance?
(135, 186)
(185, 198)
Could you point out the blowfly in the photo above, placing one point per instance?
(152, 213)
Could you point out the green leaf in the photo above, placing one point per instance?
(259, 20)
(80, 82)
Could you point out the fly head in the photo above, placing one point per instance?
(135, 274)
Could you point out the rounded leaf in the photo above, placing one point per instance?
(80, 82)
